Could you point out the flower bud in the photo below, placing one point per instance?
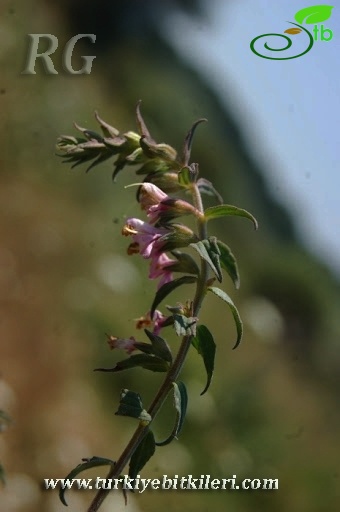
(123, 343)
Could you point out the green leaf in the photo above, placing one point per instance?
(188, 142)
(167, 288)
(208, 252)
(184, 326)
(228, 263)
(180, 402)
(239, 326)
(144, 347)
(88, 464)
(159, 346)
(184, 176)
(224, 210)
(314, 14)
(205, 345)
(206, 187)
(131, 405)
(143, 453)
(214, 253)
(146, 361)
(188, 175)
(185, 263)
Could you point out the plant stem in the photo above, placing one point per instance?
(172, 374)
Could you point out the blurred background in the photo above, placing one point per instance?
(271, 147)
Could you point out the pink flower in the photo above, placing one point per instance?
(144, 235)
(150, 195)
(123, 343)
(159, 205)
(159, 268)
(158, 321)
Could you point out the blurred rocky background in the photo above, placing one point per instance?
(65, 280)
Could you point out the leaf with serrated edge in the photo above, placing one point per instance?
(203, 251)
(143, 453)
(180, 403)
(168, 288)
(228, 263)
(223, 210)
(239, 326)
(205, 345)
(90, 463)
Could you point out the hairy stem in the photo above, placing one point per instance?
(173, 372)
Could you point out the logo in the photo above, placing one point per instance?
(310, 16)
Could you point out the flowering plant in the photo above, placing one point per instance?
(171, 189)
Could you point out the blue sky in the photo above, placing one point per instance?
(289, 110)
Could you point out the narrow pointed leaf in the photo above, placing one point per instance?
(180, 403)
(131, 405)
(167, 288)
(143, 453)
(203, 249)
(159, 346)
(238, 322)
(228, 263)
(188, 141)
(142, 128)
(214, 253)
(314, 14)
(102, 158)
(224, 210)
(146, 361)
(206, 187)
(146, 348)
(205, 345)
(88, 464)
(108, 130)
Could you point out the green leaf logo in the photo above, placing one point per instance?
(314, 14)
